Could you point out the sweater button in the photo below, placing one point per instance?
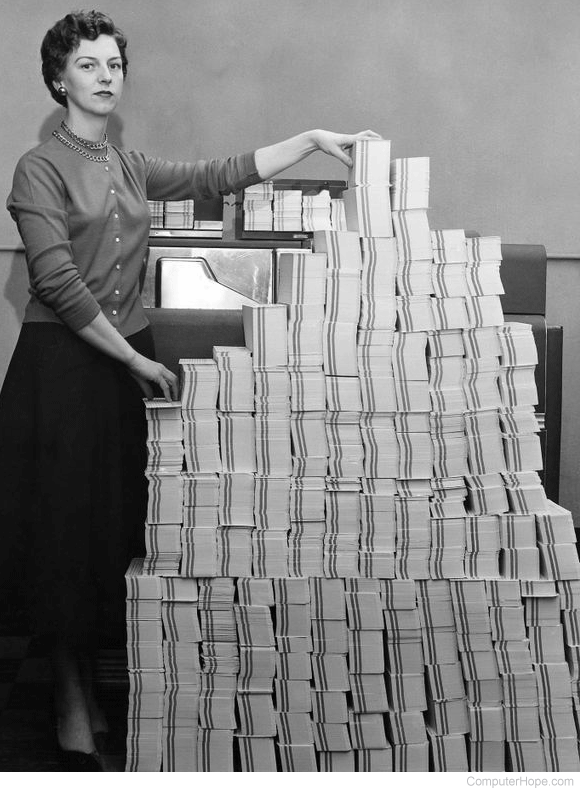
(114, 312)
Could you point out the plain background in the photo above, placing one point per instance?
(488, 89)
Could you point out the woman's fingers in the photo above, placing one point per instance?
(147, 371)
(164, 385)
(172, 383)
(167, 381)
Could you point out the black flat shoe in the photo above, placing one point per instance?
(79, 762)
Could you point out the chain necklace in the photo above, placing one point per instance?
(90, 144)
(82, 152)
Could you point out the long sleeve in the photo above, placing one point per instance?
(202, 179)
(38, 204)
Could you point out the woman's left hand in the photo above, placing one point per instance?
(337, 145)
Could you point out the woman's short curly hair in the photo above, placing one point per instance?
(64, 37)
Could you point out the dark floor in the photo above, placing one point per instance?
(27, 740)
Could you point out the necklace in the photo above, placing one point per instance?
(90, 144)
(82, 152)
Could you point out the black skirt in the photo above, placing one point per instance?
(73, 506)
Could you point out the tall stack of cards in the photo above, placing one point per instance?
(486, 459)
(256, 729)
(372, 577)
(550, 648)
(301, 288)
(486, 732)
(237, 445)
(343, 400)
(519, 720)
(295, 737)
(199, 391)
(220, 664)
(446, 367)
(146, 668)
(266, 336)
(330, 716)
(182, 673)
(569, 593)
(422, 549)
(405, 665)
(446, 718)
(164, 465)
(359, 350)
(366, 667)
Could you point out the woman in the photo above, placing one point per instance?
(72, 426)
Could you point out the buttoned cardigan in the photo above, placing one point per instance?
(85, 225)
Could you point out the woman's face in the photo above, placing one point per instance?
(93, 77)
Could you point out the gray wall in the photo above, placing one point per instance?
(489, 89)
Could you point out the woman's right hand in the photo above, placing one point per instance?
(146, 371)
